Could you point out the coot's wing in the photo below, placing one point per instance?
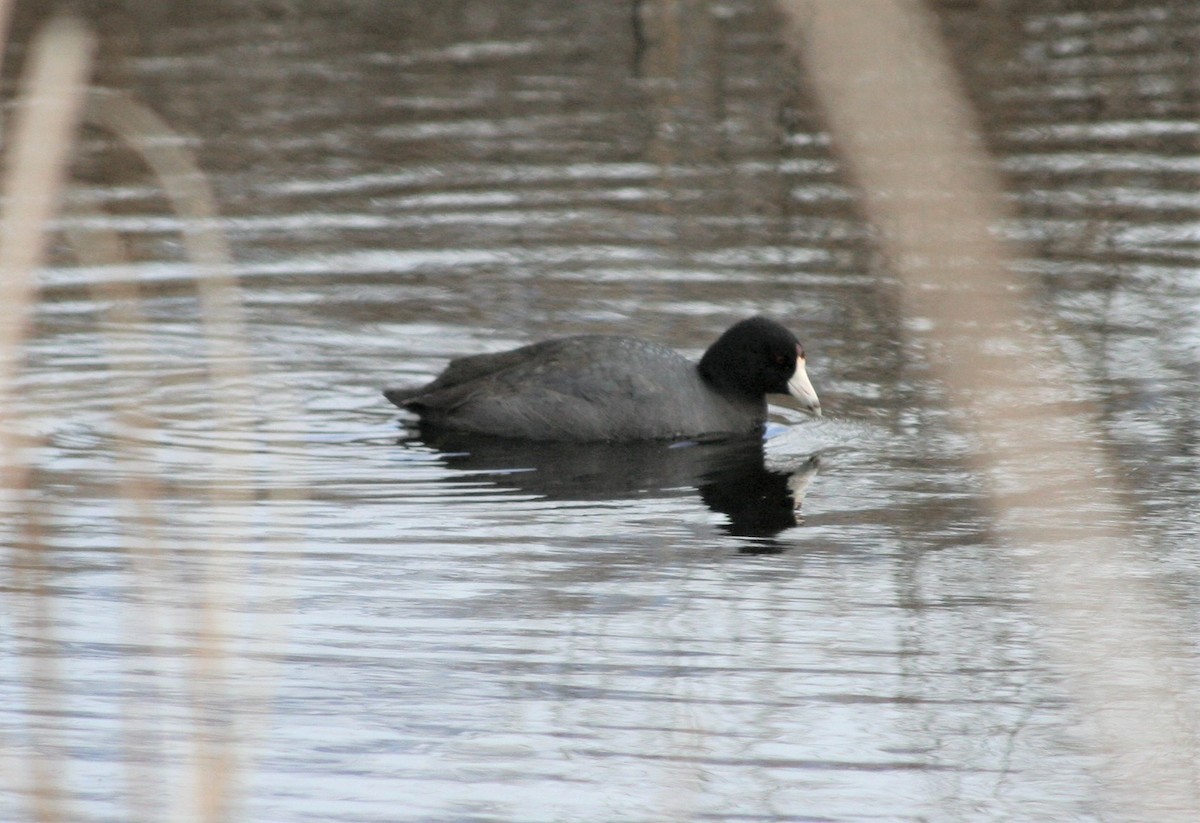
(531, 412)
(586, 388)
(548, 394)
(581, 388)
(466, 370)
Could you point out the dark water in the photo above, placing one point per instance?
(445, 630)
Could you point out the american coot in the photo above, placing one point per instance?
(594, 388)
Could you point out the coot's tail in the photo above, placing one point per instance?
(402, 396)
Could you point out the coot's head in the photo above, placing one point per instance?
(757, 357)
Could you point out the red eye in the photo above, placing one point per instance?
(781, 360)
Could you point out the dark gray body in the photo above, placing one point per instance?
(587, 388)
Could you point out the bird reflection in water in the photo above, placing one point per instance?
(731, 476)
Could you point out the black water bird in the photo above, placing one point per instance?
(607, 388)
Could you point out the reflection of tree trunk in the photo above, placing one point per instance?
(679, 69)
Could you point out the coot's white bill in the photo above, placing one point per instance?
(800, 388)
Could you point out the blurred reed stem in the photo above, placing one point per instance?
(901, 122)
(35, 168)
(192, 200)
(50, 108)
(138, 487)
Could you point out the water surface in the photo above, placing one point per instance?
(424, 629)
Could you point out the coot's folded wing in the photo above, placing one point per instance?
(465, 370)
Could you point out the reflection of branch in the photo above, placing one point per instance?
(639, 36)
(900, 120)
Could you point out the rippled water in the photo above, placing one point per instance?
(427, 629)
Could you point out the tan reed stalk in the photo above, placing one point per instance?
(34, 173)
(94, 244)
(49, 105)
(6, 7)
(193, 201)
(138, 488)
(901, 123)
